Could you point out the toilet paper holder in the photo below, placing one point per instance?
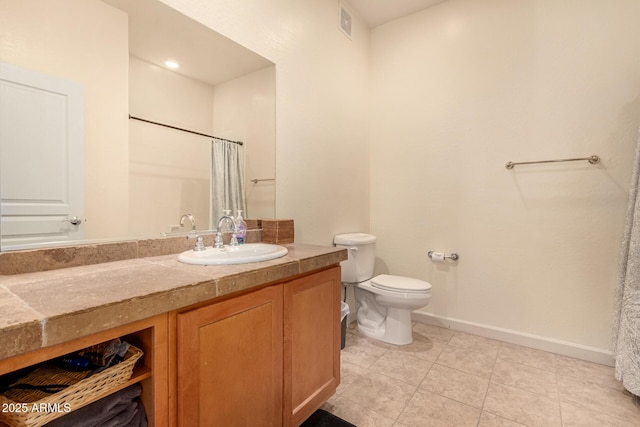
(453, 257)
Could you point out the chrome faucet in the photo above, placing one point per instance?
(190, 218)
(199, 242)
(234, 240)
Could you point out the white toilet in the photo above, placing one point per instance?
(384, 303)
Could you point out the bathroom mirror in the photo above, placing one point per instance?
(138, 178)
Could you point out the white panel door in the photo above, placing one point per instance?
(41, 159)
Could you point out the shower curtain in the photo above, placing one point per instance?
(626, 322)
(227, 179)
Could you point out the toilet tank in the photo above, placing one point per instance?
(361, 248)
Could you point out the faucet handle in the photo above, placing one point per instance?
(218, 242)
(199, 242)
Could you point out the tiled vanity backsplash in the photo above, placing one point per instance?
(30, 261)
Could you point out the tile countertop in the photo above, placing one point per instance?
(50, 307)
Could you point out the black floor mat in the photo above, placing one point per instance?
(322, 418)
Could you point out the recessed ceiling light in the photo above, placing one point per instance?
(171, 64)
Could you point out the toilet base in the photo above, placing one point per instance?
(386, 315)
(396, 328)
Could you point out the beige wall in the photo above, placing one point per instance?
(456, 91)
(244, 110)
(322, 162)
(51, 37)
(459, 90)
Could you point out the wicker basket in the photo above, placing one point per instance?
(35, 408)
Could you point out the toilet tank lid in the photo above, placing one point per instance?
(354, 239)
(400, 283)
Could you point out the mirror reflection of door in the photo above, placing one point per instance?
(41, 120)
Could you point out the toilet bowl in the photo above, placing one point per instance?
(383, 303)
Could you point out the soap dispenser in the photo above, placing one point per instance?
(241, 227)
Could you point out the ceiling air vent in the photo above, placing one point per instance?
(345, 21)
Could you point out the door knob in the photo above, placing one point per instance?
(75, 220)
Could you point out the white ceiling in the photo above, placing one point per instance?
(377, 12)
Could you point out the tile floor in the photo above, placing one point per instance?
(449, 378)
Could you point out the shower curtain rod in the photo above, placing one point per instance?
(184, 130)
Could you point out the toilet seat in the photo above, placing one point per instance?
(402, 284)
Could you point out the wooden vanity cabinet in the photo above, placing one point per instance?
(311, 343)
(265, 358)
(268, 357)
(230, 362)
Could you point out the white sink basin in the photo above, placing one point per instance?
(241, 254)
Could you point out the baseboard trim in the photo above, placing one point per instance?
(565, 348)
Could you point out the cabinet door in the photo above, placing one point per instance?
(230, 362)
(311, 343)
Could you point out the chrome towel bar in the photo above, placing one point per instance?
(256, 180)
(594, 160)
